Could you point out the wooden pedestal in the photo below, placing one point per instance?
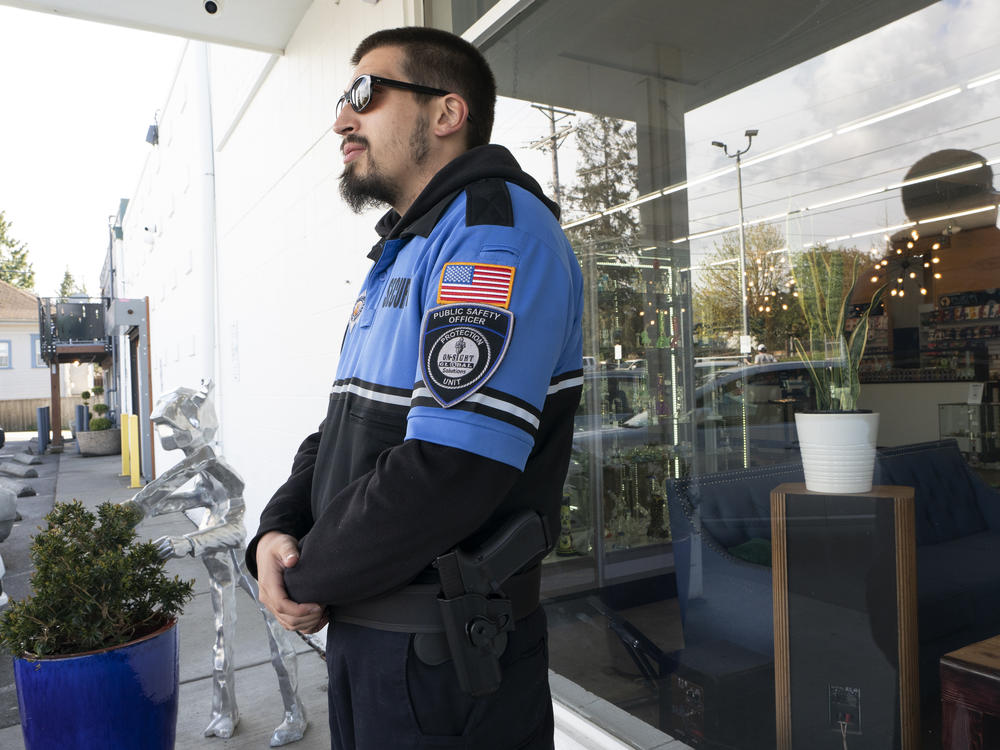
(845, 619)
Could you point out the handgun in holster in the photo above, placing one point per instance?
(477, 613)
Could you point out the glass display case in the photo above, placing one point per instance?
(974, 426)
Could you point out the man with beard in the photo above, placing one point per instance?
(452, 410)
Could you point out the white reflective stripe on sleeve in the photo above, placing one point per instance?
(385, 398)
(564, 384)
(490, 401)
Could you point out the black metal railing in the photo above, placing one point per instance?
(69, 321)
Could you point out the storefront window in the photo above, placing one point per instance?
(868, 138)
(455, 15)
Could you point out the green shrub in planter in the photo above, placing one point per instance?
(100, 423)
(95, 586)
(100, 409)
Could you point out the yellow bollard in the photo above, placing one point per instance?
(125, 444)
(133, 448)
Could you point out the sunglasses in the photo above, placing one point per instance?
(360, 93)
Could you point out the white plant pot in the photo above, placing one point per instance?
(838, 450)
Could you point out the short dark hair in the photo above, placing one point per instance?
(440, 59)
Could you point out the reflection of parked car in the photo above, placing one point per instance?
(3, 437)
(768, 381)
(610, 406)
(771, 393)
(614, 409)
(706, 368)
(613, 395)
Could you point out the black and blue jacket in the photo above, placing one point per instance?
(458, 379)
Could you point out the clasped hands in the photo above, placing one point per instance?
(277, 552)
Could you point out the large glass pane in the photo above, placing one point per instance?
(866, 136)
(455, 15)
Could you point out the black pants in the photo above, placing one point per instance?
(382, 697)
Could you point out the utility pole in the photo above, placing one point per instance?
(743, 249)
(552, 140)
(745, 337)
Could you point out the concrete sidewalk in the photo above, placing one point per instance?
(95, 479)
(583, 721)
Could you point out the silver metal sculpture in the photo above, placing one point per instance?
(186, 419)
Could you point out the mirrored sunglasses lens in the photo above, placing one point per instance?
(361, 93)
(340, 105)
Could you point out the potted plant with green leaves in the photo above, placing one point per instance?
(99, 439)
(100, 623)
(836, 440)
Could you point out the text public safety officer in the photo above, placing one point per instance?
(452, 409)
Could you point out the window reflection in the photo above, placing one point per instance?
(871, 147)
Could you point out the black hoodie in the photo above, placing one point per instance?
(370, 518)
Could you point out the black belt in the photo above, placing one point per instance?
(415, 609)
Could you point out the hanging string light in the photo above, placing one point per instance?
(907, 258)
(777, 300)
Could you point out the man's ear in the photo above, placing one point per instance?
(451, 114)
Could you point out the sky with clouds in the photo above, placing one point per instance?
(931, 51)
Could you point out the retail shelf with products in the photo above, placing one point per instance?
(879, 329)
(963, 332)
(921, 375)
(961, 363)
(875, 365)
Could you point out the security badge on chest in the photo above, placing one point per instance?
(461, 346)
(359, 306)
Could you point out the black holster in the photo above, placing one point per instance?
(476, 628)
(481, 595)
(476, 611)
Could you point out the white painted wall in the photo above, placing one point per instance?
(291, 255)
(166, 253)
(22, 380)
(25, 381)
(75, 379)
(909, 411)
(261, 305)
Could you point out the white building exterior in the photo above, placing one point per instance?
(258, 298)
(239, 238)
(23, 374)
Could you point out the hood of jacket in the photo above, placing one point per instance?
(475, 164)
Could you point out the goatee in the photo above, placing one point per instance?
(375, 189)
(363, 192)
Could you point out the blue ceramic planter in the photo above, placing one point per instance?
(121, 698)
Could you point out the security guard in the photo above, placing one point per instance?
(452, 410)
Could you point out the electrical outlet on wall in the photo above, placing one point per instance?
(845, 706)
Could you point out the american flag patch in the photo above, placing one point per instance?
(476, 282)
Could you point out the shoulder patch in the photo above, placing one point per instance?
(488, 202)
(476, 282)
(461, 347)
